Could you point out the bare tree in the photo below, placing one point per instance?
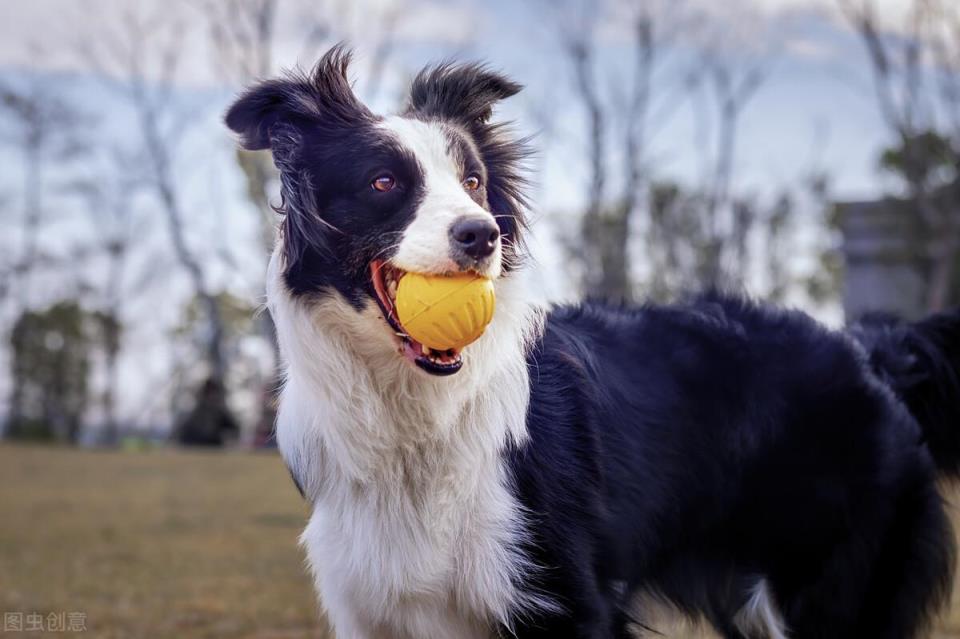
(675, 238)
(916, 78)
(109, 190)
(732, 82)
(632, 109)
(46, 129)
(144, 53)
(577, 37)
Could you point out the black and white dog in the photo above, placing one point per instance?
(744, 464)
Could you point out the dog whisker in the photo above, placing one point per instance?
(385, 250)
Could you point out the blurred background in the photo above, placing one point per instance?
(804, 152)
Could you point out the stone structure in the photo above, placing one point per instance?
(883, 268)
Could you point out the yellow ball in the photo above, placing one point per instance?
(444, 311)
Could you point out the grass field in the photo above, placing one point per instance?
(157, 544)
(164, 544)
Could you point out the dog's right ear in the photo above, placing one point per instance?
(323, 95)
(255, 113)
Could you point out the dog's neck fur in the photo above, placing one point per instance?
(376, 443)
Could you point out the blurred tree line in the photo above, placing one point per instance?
(51, 363)
(641, 233)
(709, 233)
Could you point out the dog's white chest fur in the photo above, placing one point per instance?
(421, 551)
(415, 532)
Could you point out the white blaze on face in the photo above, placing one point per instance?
(425, 246)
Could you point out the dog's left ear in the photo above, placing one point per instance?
(464, 92)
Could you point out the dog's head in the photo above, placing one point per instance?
(435, 189)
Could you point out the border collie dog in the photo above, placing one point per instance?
(743, 464)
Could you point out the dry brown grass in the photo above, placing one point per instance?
(158, 544)
(165, 544)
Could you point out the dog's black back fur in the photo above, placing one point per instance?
(920, 362)
(691, 450)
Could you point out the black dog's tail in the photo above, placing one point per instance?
(921, 362)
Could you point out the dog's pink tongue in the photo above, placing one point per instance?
(412, 350)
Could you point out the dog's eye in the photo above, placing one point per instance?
(472, 183)
(383, 183)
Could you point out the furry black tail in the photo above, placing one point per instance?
(921, 362)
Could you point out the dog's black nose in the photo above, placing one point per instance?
(475, 237)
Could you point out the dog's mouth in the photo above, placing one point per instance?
(384, 278)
